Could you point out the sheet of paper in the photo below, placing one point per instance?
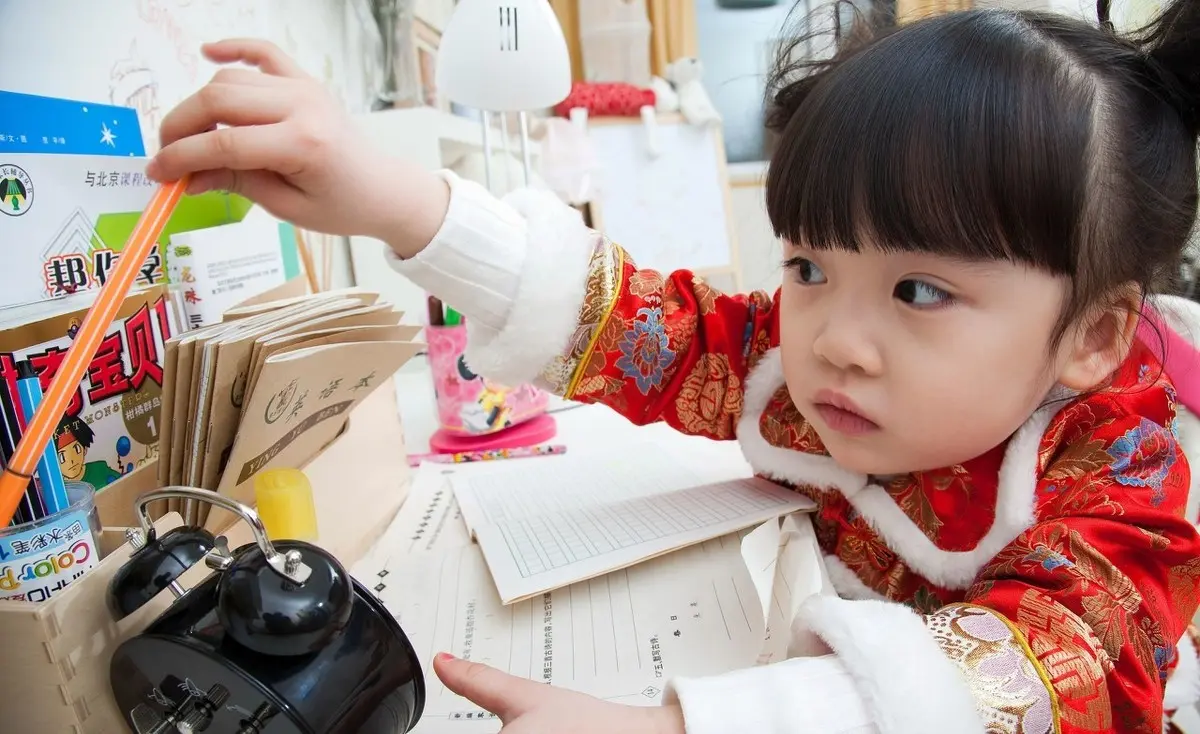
(556, 521)
(795, 573)
(428, 521)
(619, 637)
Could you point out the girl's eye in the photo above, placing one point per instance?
(806, 271)
(921, 294)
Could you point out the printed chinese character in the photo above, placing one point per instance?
(102, 263)
(12, 139)
(23, 140)
(114, 178)
(91, 179)
(160, 315)
(75, 530)
(331, 388)
(364, 382)
(126, 177)
(297, 406)
(151, 271)
(20, 547)
(191, 296)
(106, 373)
(46, 365)
(39, 541)
(45, 140)
(102, 179)
(65, 274)
(143, 352)
(186, 275)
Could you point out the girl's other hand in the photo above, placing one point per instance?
(277, 137)
(526, 707)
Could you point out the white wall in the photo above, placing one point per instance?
(146, 53)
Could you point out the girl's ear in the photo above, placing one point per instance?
(1096, 348)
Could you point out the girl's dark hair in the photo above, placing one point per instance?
(996, 134)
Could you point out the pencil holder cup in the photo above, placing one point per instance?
(39, 559)
(467, 404)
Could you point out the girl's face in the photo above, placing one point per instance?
(909, 361)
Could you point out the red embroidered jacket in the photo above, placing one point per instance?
(1061, 558)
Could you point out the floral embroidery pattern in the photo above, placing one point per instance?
(710, 399)
(1010, 692)
(1143, 457)
(645, 354)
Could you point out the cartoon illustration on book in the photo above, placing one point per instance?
(73, 439)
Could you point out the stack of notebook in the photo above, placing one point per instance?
(271, 386)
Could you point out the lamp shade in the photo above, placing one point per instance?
(504, 56)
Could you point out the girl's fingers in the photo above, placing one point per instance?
(264, 147)
(504, 695)
(256, 52)
(226, 104)
(249, 77)
(264, 188)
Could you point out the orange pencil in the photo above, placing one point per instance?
(112, 294)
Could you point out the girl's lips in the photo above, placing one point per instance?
(841, 414)
(844, 421)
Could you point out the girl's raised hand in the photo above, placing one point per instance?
(277, 137)
(526, 707)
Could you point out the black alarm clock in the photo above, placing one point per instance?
(280, 640)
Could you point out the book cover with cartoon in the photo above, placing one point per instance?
(111, 426)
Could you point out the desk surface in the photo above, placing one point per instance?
(581, 428)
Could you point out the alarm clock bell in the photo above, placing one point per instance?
(279, 640)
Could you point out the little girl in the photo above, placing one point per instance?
(973, 209)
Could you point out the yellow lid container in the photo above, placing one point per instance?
(285, 504)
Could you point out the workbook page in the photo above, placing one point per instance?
(620, 637)
(555, 521)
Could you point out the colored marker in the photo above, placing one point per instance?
(467, 457)
(31, 507)
(54, 491)
(453, 318)
(437, 314)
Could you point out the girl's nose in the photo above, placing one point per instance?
(847, 345)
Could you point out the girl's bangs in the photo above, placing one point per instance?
(951, 138)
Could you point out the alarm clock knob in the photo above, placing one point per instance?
(201, 715)
(262, 608)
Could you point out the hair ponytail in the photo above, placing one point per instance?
(1171, 44)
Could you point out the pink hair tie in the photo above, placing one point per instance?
(1181, 360)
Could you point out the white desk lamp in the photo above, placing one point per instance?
(504, 56)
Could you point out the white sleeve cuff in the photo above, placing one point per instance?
(801, 696)
(517, 269)
(475, 260)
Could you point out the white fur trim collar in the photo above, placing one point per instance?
(950, 569)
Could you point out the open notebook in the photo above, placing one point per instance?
(546, 523)
(720, 605)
